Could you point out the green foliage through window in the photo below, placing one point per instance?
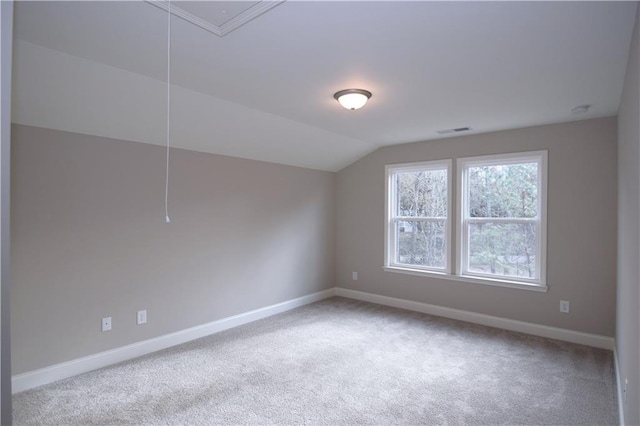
(502, 217)
(503, 190)
(503, 249)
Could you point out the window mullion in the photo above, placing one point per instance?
(502, 220)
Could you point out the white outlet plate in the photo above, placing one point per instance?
(106, 324)
(564, 306)
(354, 276)
(142, 317)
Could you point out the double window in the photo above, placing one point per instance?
(499, 219)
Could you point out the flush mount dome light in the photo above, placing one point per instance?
(352, 98)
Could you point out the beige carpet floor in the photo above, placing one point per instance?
(342, 362)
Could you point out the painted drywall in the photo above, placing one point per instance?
(6, 41)
(60, 91)
(89, 240)
(628, 306)
(581, 246)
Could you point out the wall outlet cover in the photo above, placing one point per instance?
(106, 324)
(142, 317)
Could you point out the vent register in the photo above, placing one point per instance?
(217, 17)
(456, 130)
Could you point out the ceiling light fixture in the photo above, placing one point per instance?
(352, 98)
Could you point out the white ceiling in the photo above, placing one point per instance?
(265, 90)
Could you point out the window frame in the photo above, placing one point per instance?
(391, 218)
(455, 224)
(462, 210)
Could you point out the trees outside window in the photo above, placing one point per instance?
(418, 229)
(500, 211)
(503, 216)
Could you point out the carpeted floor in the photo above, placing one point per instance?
(342, 362)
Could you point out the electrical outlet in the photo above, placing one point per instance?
(106, 324)
(564, 306)
(354, 276)
(142, 317)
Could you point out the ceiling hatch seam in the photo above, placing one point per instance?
(234, 23)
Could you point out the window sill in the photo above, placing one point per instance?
(462, 278)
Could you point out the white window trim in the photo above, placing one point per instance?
(390, 202)
(453, 272)
(495, 282)
(541, 157)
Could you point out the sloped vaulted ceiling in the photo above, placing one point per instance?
(265, 90)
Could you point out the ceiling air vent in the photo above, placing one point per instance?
(456, 130)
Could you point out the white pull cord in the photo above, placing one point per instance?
(166, 180)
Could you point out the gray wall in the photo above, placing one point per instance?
(6, 38)
(581, 247)
(628, 319)
(89, 240)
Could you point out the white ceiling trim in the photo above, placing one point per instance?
(224, 29)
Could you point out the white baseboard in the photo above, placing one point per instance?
(594, 340)
(31, 379)
(620, 393)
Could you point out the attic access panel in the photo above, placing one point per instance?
(217, 17)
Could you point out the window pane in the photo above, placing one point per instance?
(421, 243)
(504, 190)
(421, 193)
(506, 249)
